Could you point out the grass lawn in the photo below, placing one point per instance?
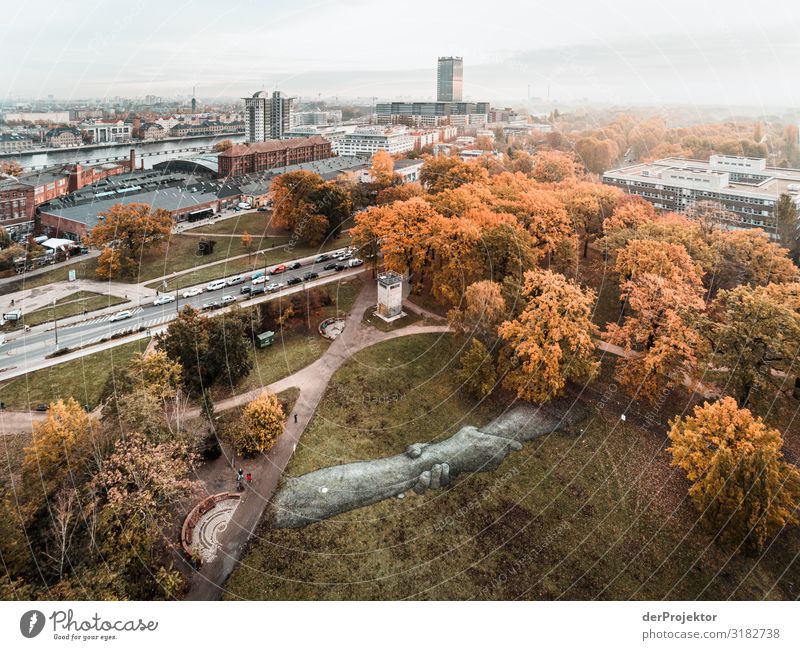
(254, 262)
(72, 305)
(82, 379)
(255, 223)
(597, 516)
(291, 351)
(84, 270)
(372, 320)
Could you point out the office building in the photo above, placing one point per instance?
(367, 140)
(745, 188)
(267, 118)
(450, 79)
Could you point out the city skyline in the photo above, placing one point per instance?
(521, 51)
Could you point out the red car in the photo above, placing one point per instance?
(278, 269)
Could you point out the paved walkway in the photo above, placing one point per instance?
(29, 300)
(207, 583)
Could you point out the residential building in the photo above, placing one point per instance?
(745, 188)
(365, 141)
(63, 136)
(260, 156)
(99, 132)
(17, 205)
(152, 131)
(450, 79)
(267, 118)
(15, 142)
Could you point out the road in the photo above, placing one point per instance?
(23, 352)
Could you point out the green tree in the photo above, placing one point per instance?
(786, 219)
(476, 371)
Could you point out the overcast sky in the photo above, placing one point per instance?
(696, 52)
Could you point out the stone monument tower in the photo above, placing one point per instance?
(390, 296)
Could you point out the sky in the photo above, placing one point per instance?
(610, 51)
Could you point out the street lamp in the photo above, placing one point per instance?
(55, 322)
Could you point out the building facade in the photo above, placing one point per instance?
(367, 140)
(17, 205)
(99, 132)
(432, 113)
(15, 142)
(450, 79)
(261, 156)
(267, 118)
(63, 137)
(745, 188)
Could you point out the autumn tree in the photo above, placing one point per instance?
(755, 332)
(750, 257)
(128, 232)
(138, 487)
(402, 192)
(550, 342)
(661, 286)
(553, 167)
(261, 425)
(10, 168)
(60, 443)
(222, 145)
(631, 212)
(308, 206)
(382, 169)
(476, 370)
(247, 241)
(443, 173)
(597, 155)
(740, 483)
(480, 313)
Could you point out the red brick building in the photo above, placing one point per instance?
(260, 156)
(17, 205)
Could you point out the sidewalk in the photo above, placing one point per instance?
(45, 269)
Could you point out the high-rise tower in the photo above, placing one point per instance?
(450, 79)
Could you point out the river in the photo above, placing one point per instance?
(149, 152)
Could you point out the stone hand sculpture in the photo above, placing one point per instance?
(331, 491)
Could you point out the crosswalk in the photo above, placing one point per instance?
(127, 326)
(101, 319)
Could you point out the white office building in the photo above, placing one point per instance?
(365, 141)
(267, 118)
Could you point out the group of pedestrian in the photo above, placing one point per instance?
(242, 479)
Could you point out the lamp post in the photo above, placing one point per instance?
(55, 322)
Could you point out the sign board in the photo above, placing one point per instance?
(72, 277)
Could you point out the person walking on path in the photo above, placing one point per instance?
(249, 478)
(295, 418)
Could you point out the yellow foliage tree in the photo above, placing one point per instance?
(743, 488)
(550, 342)
(262, 423)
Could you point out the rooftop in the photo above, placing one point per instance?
(763, 182)
(272, 145)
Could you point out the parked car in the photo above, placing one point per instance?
(278, 269)
(272, 286)
(246, 289)
(256, 291)
(190, 293)
(293, 266)
(260, 280)
(355, 262)
(310, 275)
(330, 267)
(121, 315)
(216, 285)
(345, 256)
(341, 267)
(292, 281)
(257, 274)
(211, 304)
(163, 299)
(263, 208)
(42, 408)
(237, 279)
(322, 258)
(227, 300)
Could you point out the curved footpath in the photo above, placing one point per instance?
(207, 583)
